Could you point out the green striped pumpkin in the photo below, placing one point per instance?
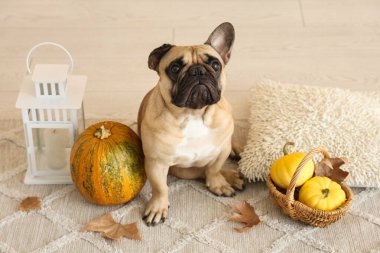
(107, 164)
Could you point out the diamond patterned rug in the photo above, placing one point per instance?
(198, 220)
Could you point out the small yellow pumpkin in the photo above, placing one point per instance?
(282, 169)
(322, 193)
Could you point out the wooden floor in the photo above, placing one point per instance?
(325, 43)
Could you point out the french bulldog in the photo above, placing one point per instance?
(185, 122)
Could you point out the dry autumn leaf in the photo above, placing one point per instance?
(111, 229)
(330, 167)
(245, 213)
(30, 203)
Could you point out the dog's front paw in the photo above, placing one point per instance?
(218, 185)
(234, 178)
(156, 210)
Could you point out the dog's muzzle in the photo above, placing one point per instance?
(196, 89)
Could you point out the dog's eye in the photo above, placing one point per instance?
(215, 65)
(175, 68)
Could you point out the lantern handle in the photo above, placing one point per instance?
(52, 44)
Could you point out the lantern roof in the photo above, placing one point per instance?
(50, 73)
(75, 88)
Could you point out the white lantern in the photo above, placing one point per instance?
(51, 101)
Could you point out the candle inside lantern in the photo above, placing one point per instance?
(55, 147)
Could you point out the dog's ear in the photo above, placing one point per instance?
(222, 39)
(156, 55)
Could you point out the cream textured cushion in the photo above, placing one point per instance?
(346, 123)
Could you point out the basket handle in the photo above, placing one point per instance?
(52, 44)
(293, 181)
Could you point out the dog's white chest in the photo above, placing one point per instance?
(197, 147)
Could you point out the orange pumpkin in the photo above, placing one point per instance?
(107, 164)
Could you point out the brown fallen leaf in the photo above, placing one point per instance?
(245, 213)
(330, 167)
(30, 203)
(111, 229)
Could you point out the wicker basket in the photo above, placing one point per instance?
(302, 212)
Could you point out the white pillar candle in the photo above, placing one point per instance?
(55, 147)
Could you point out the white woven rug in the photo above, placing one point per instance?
(197, 221)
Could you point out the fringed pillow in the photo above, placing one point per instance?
(346, 123)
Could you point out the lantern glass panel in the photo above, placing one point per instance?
(51, 146)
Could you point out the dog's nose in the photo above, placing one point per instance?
(197, 70)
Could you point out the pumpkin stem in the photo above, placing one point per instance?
(285, 148)
(325, 192)
(102, 133)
